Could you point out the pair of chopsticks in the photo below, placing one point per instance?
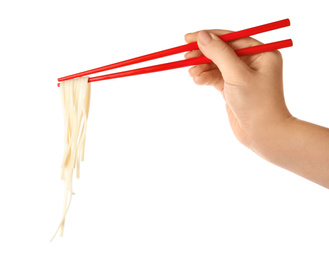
(184, 48)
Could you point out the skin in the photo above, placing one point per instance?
(252, 87)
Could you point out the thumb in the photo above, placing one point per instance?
(230, 65)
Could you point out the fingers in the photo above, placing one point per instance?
(236, 44)
(193, 54)
(209, 78)
(229, 64)
(206, 74)
(202, 68)
(226, 64)
(192, 37)
(203, 74)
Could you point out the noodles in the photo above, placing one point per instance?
(75, 95)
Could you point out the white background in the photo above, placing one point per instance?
(164, 176)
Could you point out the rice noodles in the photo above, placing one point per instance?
(75, 95)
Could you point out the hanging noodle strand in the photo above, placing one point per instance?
(75, 95)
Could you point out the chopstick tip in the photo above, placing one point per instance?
(288, 20)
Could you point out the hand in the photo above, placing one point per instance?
(251, 86)
(253, 89)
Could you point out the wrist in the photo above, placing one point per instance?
(298, 146)
(267, 137)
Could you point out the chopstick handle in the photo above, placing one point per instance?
(194, 61)
(183, 48)
(264, 48)
(255, 30)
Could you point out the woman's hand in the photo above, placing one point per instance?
(252, 85)
(253, 89)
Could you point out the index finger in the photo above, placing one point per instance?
(192, 37)
(235, 44)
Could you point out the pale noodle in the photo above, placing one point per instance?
(75, 95)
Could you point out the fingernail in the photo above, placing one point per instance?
(204, 37)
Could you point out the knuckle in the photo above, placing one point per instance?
(223, 48)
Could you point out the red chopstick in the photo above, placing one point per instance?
(179, 49)
(194, 61)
